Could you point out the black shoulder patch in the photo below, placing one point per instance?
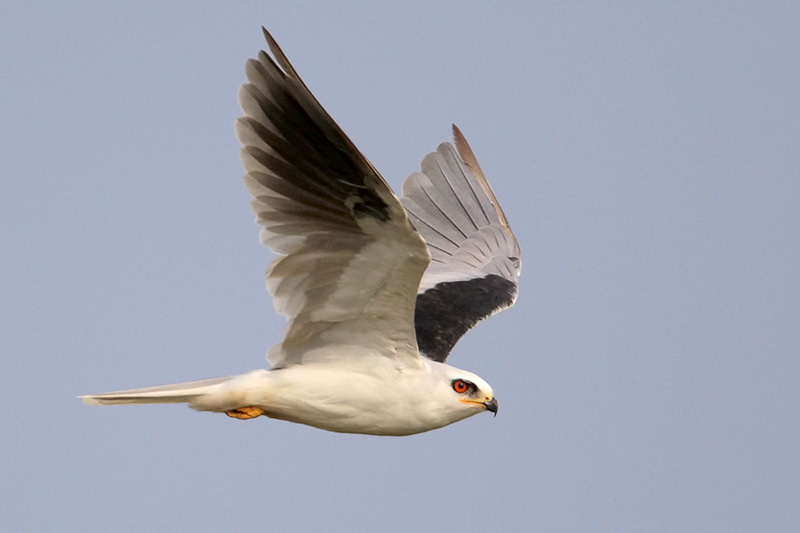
(445, 312)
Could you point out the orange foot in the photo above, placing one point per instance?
(245, 413)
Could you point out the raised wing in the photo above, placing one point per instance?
(475, 258)
(352, 261)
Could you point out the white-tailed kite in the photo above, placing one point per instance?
(377, 290)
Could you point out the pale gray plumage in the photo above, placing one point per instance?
(351, 267)
(455, 210)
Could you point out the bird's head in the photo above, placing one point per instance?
(464, 391)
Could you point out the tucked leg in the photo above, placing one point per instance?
(245, 413)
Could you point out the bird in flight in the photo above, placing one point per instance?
(377, 290)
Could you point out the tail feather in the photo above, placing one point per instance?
(175, 393)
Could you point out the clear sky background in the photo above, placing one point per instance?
(647, 156)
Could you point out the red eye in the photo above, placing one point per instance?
(460, 386)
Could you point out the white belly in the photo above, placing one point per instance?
(341, 400)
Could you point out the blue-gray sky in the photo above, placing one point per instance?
(647, 156)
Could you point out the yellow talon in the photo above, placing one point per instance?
(245, 413)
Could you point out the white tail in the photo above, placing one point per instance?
(175, 393)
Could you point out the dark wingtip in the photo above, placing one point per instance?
(271, 42)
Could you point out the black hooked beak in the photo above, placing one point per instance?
(491, 405)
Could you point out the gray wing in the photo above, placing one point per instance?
(475, 258)
(351, 261)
